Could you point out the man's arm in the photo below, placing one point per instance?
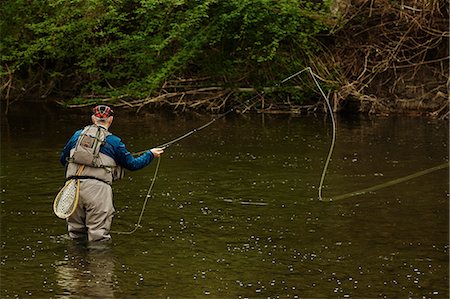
(117, 149)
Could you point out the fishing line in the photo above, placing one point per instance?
(391, 183)
(333, 138)
(333, 141)
(138, 223)
(164, 146)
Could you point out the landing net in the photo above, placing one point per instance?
(67, 199)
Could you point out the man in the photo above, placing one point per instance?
(96, 157)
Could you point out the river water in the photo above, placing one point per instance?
(234, 212)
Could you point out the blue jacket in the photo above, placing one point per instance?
(113, 147)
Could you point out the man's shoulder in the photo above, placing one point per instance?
(113, 139)
(77, 134)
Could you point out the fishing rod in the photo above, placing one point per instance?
(164, 146)
(198, 129)
(195, 130)
(186, 135)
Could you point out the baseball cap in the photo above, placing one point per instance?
(102, 111)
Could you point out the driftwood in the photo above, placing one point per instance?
(393, 56)
(179, 96)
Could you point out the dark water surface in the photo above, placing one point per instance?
(234, 211)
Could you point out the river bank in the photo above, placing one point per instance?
(258, 105)
(370, 57)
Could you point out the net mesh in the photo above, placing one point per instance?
(65, 200)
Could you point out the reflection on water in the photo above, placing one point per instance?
(86, 271)
(234, 211)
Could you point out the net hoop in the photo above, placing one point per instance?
(65, 204)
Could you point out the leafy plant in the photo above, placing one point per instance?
(86, 48)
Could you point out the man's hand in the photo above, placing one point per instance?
(157, 151)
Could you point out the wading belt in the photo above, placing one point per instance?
(84, 177)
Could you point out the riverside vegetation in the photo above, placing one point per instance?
(373, 56)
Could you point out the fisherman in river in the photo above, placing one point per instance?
(97, 157)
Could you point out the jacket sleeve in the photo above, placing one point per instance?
(70, 145)
(125, 159)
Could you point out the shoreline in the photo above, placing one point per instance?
(260, 105)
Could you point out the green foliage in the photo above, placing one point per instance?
(111, 48)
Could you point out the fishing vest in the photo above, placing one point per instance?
(87, 152)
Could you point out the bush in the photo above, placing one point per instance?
(130, 48)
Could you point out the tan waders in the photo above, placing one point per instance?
(93, 216)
